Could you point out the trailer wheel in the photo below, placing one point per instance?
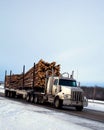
(32, 98)
(79, 108)
(6, 93)
(11, 94)
(28, 98)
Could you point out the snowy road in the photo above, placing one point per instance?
(16, 115)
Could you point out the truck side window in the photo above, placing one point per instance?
(56, 82)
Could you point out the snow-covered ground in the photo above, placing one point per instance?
(96, 105)
(15, 115)
(20, 116)
(2, 88)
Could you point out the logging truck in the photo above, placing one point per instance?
(59, 90)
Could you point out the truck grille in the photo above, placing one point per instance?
(77, 96)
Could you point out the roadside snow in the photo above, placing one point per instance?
(2, 88)
(15, 115)
(96, 105)
(20, 116)
(95, 101)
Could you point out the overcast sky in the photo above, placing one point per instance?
(70, 32)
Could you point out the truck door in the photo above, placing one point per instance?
(55, 85)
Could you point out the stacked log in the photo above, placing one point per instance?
(12, 81)
(28, 78)
(41, 69)
(34, 77)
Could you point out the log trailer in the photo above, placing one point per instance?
(59, 90)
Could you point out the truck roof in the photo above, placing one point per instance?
(67, 78)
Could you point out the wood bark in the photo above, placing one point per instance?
(16, 81)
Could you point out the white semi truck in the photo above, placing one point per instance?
(59, 90)
(63, 91)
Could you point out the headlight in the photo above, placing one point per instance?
(85, 99)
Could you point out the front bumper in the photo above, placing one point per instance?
(68, 102)
(85, 102)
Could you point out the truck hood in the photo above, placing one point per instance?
(67, 89)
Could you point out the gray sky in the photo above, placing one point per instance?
(70, 32)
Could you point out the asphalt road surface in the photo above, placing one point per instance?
(86, 113)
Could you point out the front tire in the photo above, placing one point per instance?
(79, 108)
(57, 103)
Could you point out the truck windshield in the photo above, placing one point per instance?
(66, 82)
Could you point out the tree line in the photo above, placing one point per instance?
(96, 93)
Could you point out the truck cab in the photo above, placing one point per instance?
(65, 92)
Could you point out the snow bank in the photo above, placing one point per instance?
(2, 88)
(96, 101)
(96, 105)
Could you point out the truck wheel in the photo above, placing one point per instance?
(42, 101)
(6, 93)
(32, 98)
(57, 103)
(35, 99)
(27, 98)
(11, 94)
(79, 108)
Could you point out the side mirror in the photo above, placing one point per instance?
(78, 84)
